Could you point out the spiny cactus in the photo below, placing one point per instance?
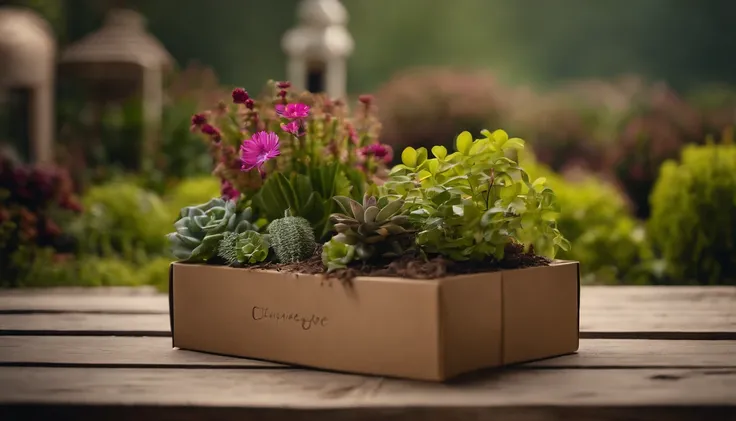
(376, 227)
(337, 255)
(200, 229)
(247, 247)
(292, 239)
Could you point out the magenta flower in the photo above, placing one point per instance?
(294, 127)
(292, 111)
(240, 96)
(212, 132)
(380, 151)
(255, 151)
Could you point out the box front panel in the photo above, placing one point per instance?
(540, 312)
(373, 325)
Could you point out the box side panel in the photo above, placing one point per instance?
(471, 322)
(541, 307)
(368, 326)
(171, 304)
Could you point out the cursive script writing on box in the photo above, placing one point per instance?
(306, 322)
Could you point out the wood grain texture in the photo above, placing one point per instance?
(80, 324)
(303, 389)
(157, 352)
(417, 413)
(612, 311)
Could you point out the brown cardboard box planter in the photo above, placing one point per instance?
(420, 329)
(317, 254)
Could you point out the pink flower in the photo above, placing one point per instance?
(255, 151)
(294, 127)
(292, 111)
(228, 191)
(380, 151)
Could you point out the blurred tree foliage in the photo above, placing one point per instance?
(681, 41)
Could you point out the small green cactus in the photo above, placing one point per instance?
(292, 239)
(247, 247)
(337, 255)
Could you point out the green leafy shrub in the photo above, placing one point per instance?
(121, 218)
(693, 222)
(473, 203)
(658, 125)
(292, 239)
(605, 238)
(200, 229)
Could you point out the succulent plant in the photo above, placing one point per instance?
(337, 255)
(292, 239)
(376, 227)
(200, 229)
(247, 247)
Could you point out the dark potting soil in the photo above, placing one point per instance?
(413, 266)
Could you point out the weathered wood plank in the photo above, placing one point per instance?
(83, 303)
(80, 324)
(273, 391)
(157, 352)
(110, 352)
(608, 310)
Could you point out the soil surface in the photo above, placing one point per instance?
(413, 266)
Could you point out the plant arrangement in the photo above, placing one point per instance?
(305, 188)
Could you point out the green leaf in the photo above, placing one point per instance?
(440, 152)
(421, 156)
(389, 210)
(346, 205)
(464, 142)
(514, 143)
(409, 157)
(510, 191)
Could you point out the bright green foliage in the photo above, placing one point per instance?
(192, 190)
(693, 222)
(595, 217)
(376, 227)
(292, 239)
(337, 255)
(307, 195)
(200, 229)
(473, 202)
(247, 247)
(122, 219)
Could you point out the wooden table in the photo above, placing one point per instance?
(646, 353)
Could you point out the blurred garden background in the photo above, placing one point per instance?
(628, 109)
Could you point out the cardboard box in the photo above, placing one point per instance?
(417, 329)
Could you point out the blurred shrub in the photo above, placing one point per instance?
(658, 125)
(156, 273)
(693, 223)
(35, 202)
(191, 190)
(574, 125)
(607, 241)
(123, 219)
(717, 105)
(424, 106)
(182, 153)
